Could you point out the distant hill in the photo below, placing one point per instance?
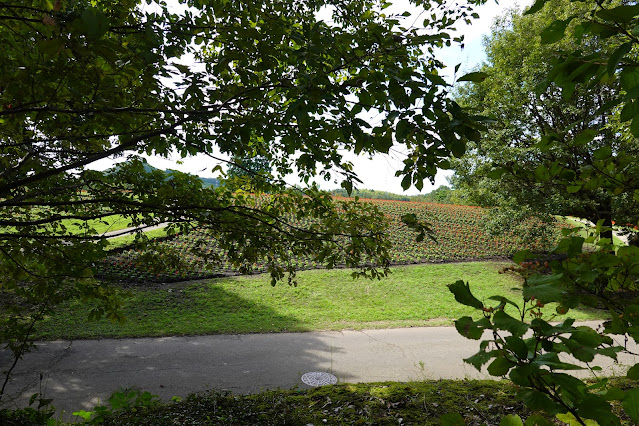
(210, 182)
(441, 195)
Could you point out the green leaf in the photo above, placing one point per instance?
(520, 375)
(585, 137)
(589, 337)
(536, 400)
(544, 288)
(572, 246)
(616, 56)
(580, 351)
(504, 301)
(500, 367)
(503, 321)
(517, 346)
(537, 420)
(629, 78)
(523, 255)
(633, 372)
(555, 31)
(571, 189)
(86, 415)
(603, 153)
(407, 181)
(33, 398)
(95, 23)
(458, 148)
(546, 143)
(634, 127)
(631, 404)
(462, 294)
(539, 4)
(471, 329)
(511, 420)
(551, 359)
(436, 79)
(476, 77)
(546, 329)
(480, 358)
(629, 111)
(43, 402)
(51, 48)
(597, 408)
(496, 173)
(619, 14)
(614, 394)
(403, 129)
(571, 420)
(452, 419)
(542, 174)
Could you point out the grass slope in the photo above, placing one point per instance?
(106, 224)
(323, 300)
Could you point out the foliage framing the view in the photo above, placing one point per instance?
(526, 348)
(541, 139)
(83, 81)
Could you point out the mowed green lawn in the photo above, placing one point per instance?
(323, 300)
(106, 224)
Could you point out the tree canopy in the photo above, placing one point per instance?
(541, 138)
(242, 172)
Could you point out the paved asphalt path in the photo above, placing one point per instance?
(130, 231)
(79, 374)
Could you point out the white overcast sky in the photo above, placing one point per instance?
(379, 173)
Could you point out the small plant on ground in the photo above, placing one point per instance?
(128, 400)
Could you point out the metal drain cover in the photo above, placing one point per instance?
(317, 378)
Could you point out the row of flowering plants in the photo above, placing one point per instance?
(458, 231)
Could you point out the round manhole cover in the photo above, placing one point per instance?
(316, 378)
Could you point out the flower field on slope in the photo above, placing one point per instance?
(458, 231)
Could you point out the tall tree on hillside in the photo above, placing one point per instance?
(541, 140)
(83, 81)
(248, 173)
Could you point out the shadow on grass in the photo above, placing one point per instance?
(79, 374)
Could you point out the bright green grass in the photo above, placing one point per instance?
(323, 300)
(126, 240)
(106, 224)
(101, 226)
